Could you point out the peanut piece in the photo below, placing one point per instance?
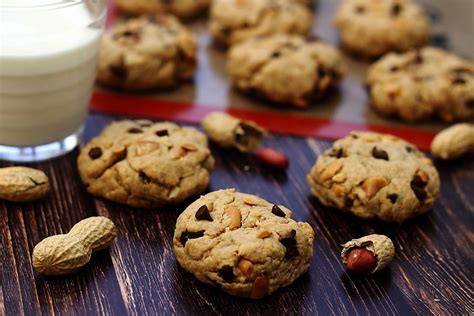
(250, 202)
(331, 169)
(454, 141)
(189, 147)
(235, 217)
(22, 184)
(246, 267)
(66, 253)
(260, 288)
(210, 206)
(373, 185)
(359, 254)
(263, 233)
(423, 176)
(145, 147)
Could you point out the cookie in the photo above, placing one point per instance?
(371, 28)
(423, 84)
(375, 176)
(285, 68)
(242, 244)
(230, 132)
(147, 53)
(184, 9)
(232, 21)
(145, 164)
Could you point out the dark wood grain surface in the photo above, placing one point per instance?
(432, 272)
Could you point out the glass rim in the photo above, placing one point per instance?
(50, 5)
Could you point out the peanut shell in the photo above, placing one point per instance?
(22, 184)
(454, 141)
(380, 245)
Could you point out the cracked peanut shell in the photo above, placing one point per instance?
(228, 131)
(22, 184)
(379, 245)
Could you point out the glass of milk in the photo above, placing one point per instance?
(48, 51)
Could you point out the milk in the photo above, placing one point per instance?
(47, 69)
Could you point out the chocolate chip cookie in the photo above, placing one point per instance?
(371, 28)
(285, 68)
(242, 244)
(232, 21)
(375, 176)
(422, 84)
(147, 53)
(145, 164)
(182, 8)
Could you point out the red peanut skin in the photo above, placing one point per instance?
(361, 260)
(272, 158)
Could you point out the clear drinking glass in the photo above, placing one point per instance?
(48, 51)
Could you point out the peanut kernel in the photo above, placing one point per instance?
(235, 217)
(331, 169)
(373, 185)
(263, 233)
(246, 267)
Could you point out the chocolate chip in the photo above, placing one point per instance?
(392, 197)
(459, 80)
(396, 9)
(337, 153)
(290, 245)
(95, 152)
(143, 177)
(118, 71)
(276, 54)
(226, 273)
(408, 149)
(277, 211)
(135, 130)
(359, 9)
(190, 235)
(470, 103)
(354, 136)
(348, 202)
(202, 214)
(312, 38)
(162, 133)
(368, 88)
(379, 154)
(418, 186)
(394, 68)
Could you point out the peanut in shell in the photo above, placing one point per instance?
(379, 245)
(22, 184)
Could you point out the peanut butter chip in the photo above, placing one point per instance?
(246, 267)
(331, 169)
(260, 288)
(373, 185)
(263, 233)
(235, 217)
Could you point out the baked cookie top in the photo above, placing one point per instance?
(422, 84)
(375, 176)
(374, 27)
(182, 8)
(146, 164)
(241, 243)
(147, 52)
(232, 21)
(285, 68)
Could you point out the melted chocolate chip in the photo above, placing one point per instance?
(408, 149)
(418, 58)
(418, 186)
(459, 80)
(277, 211)
(144, 178)
(202, 214)
(276, 54)
(396, 9)
(470, 103)
(393, 197)
(394, 68)
(118, 71)
(379, 154)
(348, 202)
(337, 153)
(95, 153)
(226, 273)
(368, 88)
(190, 235)
(162, 133)
(290, 245)
(135, 130)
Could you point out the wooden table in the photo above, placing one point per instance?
(138, 275)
